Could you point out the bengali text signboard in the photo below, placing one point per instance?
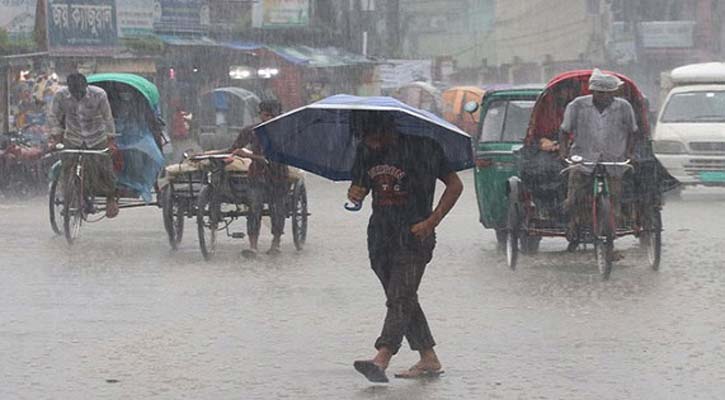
(183, 16)
(82, 27)
(134, 18)
(281, 13)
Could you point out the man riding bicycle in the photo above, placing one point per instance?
(601, 127)
(80, 118)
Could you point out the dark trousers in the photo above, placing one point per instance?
(400, 268)
(276, 195)
(98, 176)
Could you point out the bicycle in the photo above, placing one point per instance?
(604, 223)
(77, 205)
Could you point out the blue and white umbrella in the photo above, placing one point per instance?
(319, 137)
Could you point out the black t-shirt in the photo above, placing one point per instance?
(402, 179)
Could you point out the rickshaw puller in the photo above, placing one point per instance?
(267, 181)
(80, 117)
(602, 127)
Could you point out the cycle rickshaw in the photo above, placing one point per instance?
(212, 188)
(223, 113)
(536, 194)
(135, 106)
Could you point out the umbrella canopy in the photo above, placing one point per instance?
(319, 137)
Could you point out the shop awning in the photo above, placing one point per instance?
(319, 57)
(188, 40)
(314, 57)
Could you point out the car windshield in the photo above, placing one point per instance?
(506, 120)
(695, 107)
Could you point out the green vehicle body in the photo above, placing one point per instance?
(495, 160)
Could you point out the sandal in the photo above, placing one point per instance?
(249, 253)
(418, 372)
(371, 371)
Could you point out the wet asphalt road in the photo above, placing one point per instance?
(120, 316)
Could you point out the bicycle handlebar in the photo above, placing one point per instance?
(224, 156)
(200, 157)
(80, 151)
(573, 164)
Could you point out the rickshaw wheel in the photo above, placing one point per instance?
(299, 215)
(529, 244)
(72, 210)
(55, 205)
(651, 237)
(173, 217)
(512, 235)
(501, 235)
(207, 222)
(604, 241)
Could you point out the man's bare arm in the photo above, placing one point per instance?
(454, 188)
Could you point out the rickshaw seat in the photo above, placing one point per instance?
(540, 171)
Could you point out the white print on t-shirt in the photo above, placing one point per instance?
(387, 185)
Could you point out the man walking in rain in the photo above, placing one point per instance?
(401, 171)
(602, 128)
(267, 182)
(80, 118)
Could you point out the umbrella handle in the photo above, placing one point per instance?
(353, 206)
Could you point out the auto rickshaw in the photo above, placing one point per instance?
(454, 100)
(504, 117)
(224, 112)
(536, 192)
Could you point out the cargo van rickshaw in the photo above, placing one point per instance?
(212, 188)
(536, 193)
(504, 118)
(223, 113)
(135, 106)
(420, 95)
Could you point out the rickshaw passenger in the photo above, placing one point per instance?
(550, 121)
(268, 181)
(80, 118)
(602, 128)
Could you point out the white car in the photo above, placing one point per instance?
(689, 137)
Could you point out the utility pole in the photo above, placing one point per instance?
(392, 27)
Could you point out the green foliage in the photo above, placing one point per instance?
(10, 46)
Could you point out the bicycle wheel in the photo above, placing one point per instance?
(299, 215)
(501, 236)
(512, 235)
(604, 236)
(73, 210)
(207, 221)
(55, 205)
(651, 237)
(173, 216)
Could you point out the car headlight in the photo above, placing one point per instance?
(668, 147)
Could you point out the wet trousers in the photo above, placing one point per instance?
(98, 176)
(400, 270)
(275, 194)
